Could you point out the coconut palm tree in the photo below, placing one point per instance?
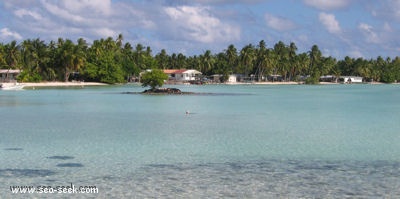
(162, 59)
(247, 57)
(71, 57)
(207, 61)
(231, 56)
(292, 59)
(12, 54)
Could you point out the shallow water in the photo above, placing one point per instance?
(242, 141)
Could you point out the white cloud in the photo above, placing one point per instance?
(370, 35)
(61, 12)
(197, 23)
(327, 4)
(105, 32)
(7, 33)
(79, 6)
(330, 22)
(24, 12)
(387, 27)
(355, 53)
(279, 23)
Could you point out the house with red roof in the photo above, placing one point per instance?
(182, 75)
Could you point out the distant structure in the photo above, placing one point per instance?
(182, 76)
(9, 75)
(351, 79)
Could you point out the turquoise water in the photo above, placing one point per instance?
(242, 141)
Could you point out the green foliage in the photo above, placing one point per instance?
(112, 61)
(154, 78)
(25, 76)
(312, 80)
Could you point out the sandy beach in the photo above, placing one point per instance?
(61, 84)
(264, 83)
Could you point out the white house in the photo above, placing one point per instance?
(352, 79)
(9, 75)
(232, 79)
(182, 74)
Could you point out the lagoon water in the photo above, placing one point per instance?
(239, 141)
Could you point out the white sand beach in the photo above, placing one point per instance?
(264, 83)
(61, 84)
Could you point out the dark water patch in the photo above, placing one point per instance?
(272, 179)
(13, 149)
(70, 165)
(62, 157)
(166, 166)
(30, 173)
(107, 177)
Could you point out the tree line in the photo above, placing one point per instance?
(113, 61)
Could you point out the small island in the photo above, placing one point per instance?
(155, 79)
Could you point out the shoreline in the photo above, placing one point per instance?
(61, 84)
(82, 84)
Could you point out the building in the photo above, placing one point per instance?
(328, 78)
(182, 75)
(216, 78)
(9, 75)
(351, 79)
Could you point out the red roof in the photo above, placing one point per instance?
(174, 71)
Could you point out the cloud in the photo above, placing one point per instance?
(368, 32)
(327, 4)
(78, 6)
(355, 53)
(210, 2)
(7, 33)
(279, 23)
(197, 23)
(330, 23)
(30, 14)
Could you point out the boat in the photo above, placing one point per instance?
(11, 86)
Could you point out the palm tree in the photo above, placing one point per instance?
(292, 59)
(247, 57)
(12, 52)
(207, 62)
(139, 55)
(119, 40)
(315, 60)
(262, 60)
(162, 59)
(282, 53)
(231, 55)
(71, 57)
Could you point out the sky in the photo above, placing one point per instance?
(354, 28)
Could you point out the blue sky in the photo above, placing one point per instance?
(355, 28)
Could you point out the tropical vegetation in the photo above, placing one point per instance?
(113, 61)
(154, 78)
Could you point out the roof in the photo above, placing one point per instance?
(174, 71)
(192, 71)
(8, 71)
(180, 71)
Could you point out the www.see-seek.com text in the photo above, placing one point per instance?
(69, 189)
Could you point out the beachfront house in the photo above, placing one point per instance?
(216, 78)
(351, 79)
(182, 75)
(328, 78)
(9, 75)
